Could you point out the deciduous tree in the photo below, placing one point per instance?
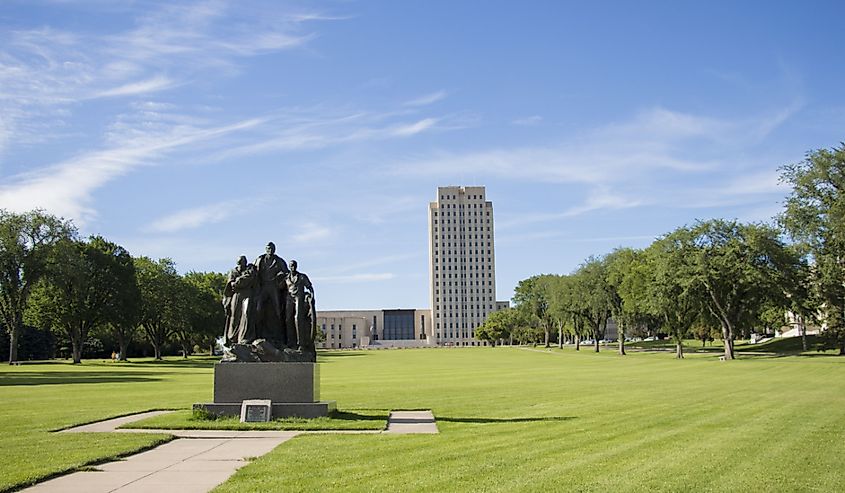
(532, 297)
(741, 268)
(815, 217)
(627, 279)
(159, 288)
(500, 325)
(25, 244)
(671, 291)
(90, 284)
(206, 317)
(595, 296)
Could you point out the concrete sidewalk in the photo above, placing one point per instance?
(112, 424)
(198, 460)
(183, 465)
(405, 422)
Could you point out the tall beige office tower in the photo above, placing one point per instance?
(462, 263)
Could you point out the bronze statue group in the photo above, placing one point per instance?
(272, 301)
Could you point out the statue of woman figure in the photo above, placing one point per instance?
(298, 312)
(237, 300)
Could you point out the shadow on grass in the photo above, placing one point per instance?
(504, 420)
(353, 416)
(181, 363)
(745, 354)
(332, 355)
(69, 377)
(39, 362)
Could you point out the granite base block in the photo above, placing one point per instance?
(280, 409)
(278, 382)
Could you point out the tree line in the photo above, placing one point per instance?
(718, 277)
(53, 282)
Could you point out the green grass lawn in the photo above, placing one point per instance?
(352, 419)
(510, 420)
(773, 347)
(39, 398)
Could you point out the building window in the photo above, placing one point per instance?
(398, 324)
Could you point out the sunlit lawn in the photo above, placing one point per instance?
(510, 420)
(39, 398)
(357, 419)
(525, 420)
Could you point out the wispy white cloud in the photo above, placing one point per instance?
(758, 182)
(414, 128)
(47, 74)
(427, 99)
(765, 213)
(743, 189)
(602, 199)
(527, 121)
(317, 128)
(207, 33)
(377, 209)
(316, 16)
(652, 141)
(6, 126)
(374, 262)
(355, 278)
(310, 232)
(157, 83)
(45, 70)
(192, 252)
(624, 163)
(563, 237)
(66, 188)
(597, 199)
(195, 217)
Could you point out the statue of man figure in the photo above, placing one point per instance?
(272, 271)
(299, 316)
(237, 301)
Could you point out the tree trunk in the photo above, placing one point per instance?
(211, 349)
(596, 340)
(13, 343)
(122, 345)
(803, 329)
(560, 336)
(157, 351)
(546, 333)
(729, 349)
(76, 348)
(842, 349)
(679, 349)
(621, 335)
(577, 342)
(727, 336)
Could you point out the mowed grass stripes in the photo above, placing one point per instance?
(510, 420)
(525, 420)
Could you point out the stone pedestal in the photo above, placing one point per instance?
(293, 389)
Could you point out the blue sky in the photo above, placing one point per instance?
(201, 130)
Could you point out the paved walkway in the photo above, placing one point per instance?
(183, 465)
(404, 422)
(198, 460)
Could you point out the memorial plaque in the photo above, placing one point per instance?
(256, 411)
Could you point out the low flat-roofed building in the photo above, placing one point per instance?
(375, 328)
